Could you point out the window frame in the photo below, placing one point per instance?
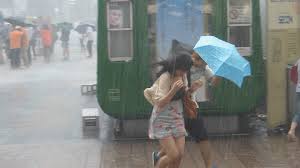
(245, 50)
(111, 30)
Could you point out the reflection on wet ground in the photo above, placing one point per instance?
(40, 127)
(229, 152)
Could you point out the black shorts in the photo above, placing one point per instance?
(196, 128)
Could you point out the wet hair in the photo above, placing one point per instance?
(182, 61)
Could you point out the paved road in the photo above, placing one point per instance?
(40, 122)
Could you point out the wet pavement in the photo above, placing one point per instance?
(40, 121)
(40, 127)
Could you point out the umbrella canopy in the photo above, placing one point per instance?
(27, 24)
(66, 25)
(15, 21)
(223, 58)
(19, 22)
(82, 28)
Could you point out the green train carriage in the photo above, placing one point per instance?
(128, 44)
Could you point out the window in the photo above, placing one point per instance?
(119, 25)
(240, 25)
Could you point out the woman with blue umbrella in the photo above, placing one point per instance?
(212, 57)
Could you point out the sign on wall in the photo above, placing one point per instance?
(239, 12)
(283, 14)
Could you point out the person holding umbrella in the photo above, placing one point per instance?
(25, 46)
(214, 57)
(198, 78)
(82, 38)
(86, 30)
(15, 39)
(65, 37)
(47, 42)
(54, 37)
(90, 41)
(82, 30)
(200, 72)
(33, 40)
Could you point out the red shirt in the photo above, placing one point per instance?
(46, 37)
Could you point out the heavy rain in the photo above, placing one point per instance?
(149, 83)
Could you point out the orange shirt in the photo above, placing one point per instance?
(46, 37)
(15, 38)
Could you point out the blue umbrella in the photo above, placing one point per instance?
(223, 58)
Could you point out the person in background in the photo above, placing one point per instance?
(29, 54)
(47, 42)
(65, 37)
(54, 38)
(296, 119)
(8, 29)
(33, 41)
(2, 41)
(15, 41)
(82, 38)
(25, 46)
(90, 42)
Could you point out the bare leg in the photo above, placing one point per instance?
(205, 149)
(291, 133)
(172, 154)
(180, 143)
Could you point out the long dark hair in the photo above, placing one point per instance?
(182, 61)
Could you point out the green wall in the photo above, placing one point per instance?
(133, 77)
